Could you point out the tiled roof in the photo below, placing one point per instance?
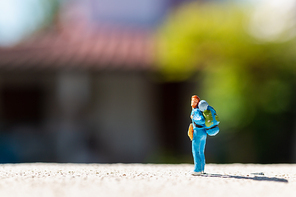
(105, 49)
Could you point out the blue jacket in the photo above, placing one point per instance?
(198, 120)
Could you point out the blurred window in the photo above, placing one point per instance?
(22, 104)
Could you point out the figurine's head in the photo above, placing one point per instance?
(194, 101)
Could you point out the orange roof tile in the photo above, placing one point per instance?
(106, 49)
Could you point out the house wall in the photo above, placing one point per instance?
(85, 117)
(124, 116)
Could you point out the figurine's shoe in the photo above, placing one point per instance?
(197, 173)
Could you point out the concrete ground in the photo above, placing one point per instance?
(141, 180)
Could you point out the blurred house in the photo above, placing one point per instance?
(83, 90)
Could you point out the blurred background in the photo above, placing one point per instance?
(111, 81)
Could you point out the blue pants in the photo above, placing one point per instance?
(198, 149)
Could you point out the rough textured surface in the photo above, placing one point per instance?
(146, 180)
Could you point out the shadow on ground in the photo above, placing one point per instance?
(254, 176)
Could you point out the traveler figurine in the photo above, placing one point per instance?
(204, 122)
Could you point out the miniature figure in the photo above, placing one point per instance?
(204, 122)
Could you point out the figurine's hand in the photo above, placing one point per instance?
(191, 116)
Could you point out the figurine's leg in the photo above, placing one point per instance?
(197, 155)
(202, 152)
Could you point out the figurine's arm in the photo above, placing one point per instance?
(198, 118)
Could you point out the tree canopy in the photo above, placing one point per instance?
(241, 75)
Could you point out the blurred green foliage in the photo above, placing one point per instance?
(245, 79)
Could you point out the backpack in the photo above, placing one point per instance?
(211, 121)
